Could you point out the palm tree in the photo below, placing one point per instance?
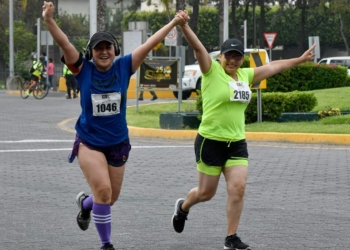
(166, 5)
(101, 13)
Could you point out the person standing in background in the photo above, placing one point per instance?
(45, 58)
(50, 72)
(70, 82)
(154, 96)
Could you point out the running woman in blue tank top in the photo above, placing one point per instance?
(102, 141)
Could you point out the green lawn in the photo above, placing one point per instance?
(2, 85)
(148, 115)
(335, 98)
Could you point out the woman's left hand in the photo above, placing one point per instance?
(182, 17)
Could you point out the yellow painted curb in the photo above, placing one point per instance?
(336, 139)
(162, 133)
(340, 139)
(13, 92)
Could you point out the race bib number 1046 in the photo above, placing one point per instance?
(106, 104)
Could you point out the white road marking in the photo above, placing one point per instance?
(36, 141)
(68, 149)
(251, 144)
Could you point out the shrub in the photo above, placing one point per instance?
(273, 105)
(308, 76)
(329, 112)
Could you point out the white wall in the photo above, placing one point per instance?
(156, 5)
(83, 6)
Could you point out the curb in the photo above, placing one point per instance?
(13, 92)
(335, 139)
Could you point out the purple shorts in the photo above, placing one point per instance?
(116, 155)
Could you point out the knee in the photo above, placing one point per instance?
(115, 196)
(113, 200)
(103, 194)
(206, 195)
(236, 191)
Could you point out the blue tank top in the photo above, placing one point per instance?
(102, 123)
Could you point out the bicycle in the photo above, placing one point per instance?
(39, 90)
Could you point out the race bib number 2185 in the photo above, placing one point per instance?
(239, 92)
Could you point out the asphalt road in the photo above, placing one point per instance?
(297, 197)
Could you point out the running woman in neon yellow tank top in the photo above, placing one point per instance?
(220, 145)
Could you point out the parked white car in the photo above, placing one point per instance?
(191, 80)
(339, 60)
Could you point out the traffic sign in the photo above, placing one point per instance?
(171, 38)
(258, 59)
(270, 38)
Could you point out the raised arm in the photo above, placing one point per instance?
(274, 67)
(142, 51)
(203, 58)
(71, 55)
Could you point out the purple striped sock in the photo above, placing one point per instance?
(87, 202)
(101, 214)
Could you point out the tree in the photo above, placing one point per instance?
(101, 13)
(341, 8)
(25, 43)
(220, 7)
(113, 22)
(134, 6)
(194, 26)
(308, 9)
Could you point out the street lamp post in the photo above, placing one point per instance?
(225, 37)
(11, 62)
(93, 17)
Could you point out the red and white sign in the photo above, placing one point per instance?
(270, 38)
(171, 38)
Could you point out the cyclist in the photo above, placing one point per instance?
(36, 72)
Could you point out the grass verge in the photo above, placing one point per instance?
(148, 115)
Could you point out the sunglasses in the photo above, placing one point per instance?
(235, 56)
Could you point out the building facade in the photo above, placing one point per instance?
(83, 6)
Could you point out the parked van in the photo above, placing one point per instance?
(340, 60)
(191, 81)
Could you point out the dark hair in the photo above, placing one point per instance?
(43, 53)
(50, 59)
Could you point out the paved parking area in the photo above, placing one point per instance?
(298, 195)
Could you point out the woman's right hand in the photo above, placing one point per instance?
(48, 9)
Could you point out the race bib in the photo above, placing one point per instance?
(239, 92)
(106, 104)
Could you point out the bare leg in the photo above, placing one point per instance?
(206, 190)
(95, 169)
(116, 175)
(236, 178)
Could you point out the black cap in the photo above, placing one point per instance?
(99, 37)
(232, 44)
